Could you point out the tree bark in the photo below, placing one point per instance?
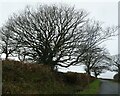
(6, 58)
(95, 73)
(118, 72)
(88, 71)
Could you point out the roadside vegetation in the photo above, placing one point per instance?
(92, 88)
(23, 78)
(116, 78)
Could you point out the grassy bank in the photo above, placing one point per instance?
(23, 78)
(92, 88)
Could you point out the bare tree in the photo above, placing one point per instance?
(101, 65)
(8, 46)
(96, 61)
(22, 53)
(115, 61)
(96, 35)
(98, 69)
(50, 32)
(57, 36)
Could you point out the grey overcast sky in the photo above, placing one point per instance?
(105, 11)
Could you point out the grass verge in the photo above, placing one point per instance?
(92, 88)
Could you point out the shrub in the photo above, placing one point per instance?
(71, 77)
(116, 77)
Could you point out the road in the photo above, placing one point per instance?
(109, 87)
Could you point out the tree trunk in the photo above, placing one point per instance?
(119, 73)
(95, 73)
(88, 71)
(52, 65)
(6, 51)
(6, 58)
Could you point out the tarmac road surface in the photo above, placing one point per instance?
(109, 87)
